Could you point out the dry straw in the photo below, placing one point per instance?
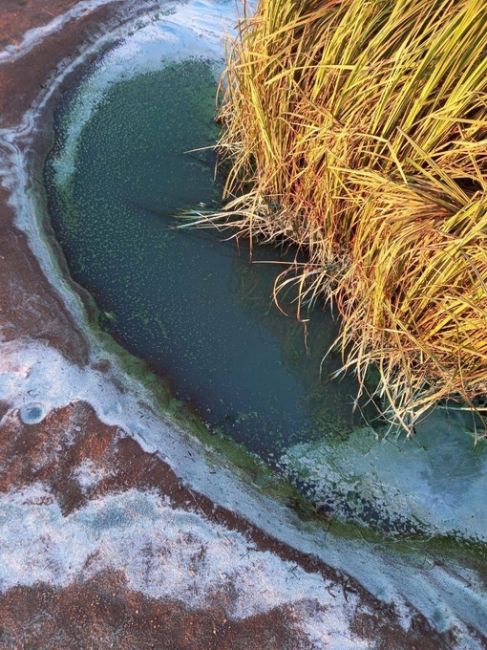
(357, 130)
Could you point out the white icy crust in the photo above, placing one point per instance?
(88, 475)
(164, 553)
(437, 478)
(34, 374)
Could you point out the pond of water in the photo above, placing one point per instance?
(199, 310)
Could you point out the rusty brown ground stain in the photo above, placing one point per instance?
(29, 305)
(51, 451)
(18, 16)
(105, 613)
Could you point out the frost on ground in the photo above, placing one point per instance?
(35, 35)
(164, 553)
(88, 475)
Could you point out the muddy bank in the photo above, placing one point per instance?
(79, 459)
(105, 613)
(30, 306)
(116, 616)
(17, 17)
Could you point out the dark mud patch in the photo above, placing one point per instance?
(104, 613)
(19, 16)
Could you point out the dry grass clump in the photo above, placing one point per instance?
(357, 130)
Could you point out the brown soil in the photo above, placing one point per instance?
(52, 450)
(104, 613)
(18, 16)
(36, 67)
(29, 306)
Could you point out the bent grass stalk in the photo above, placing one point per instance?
(357, 131)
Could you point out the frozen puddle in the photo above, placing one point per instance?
(201, 314)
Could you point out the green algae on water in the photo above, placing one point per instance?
(193, 306)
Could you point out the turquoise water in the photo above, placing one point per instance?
(195, 307)
(198, 309)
